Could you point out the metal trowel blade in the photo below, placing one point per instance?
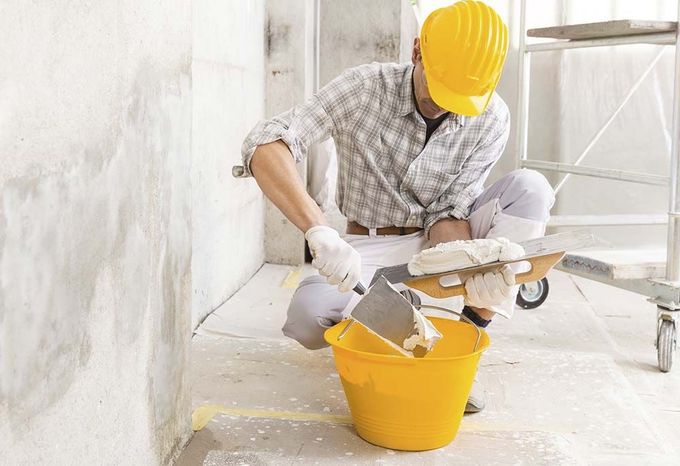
(386, 312)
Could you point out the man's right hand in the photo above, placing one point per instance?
(336, 260)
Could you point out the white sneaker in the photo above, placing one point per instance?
(477, 398)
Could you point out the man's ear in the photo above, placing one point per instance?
(415, 54)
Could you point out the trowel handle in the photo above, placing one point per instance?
(360, 289)
(540, 266)
(238, 171)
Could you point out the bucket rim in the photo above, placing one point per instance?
(399, 359)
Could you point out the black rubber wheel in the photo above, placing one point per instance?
(665, 345)
(533, 294)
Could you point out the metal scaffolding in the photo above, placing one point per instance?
(664, 290)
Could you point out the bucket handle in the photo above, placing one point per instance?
(460, 315)
(346, 329)
(436, 308)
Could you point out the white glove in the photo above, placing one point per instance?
(334, 258)
(489, 288)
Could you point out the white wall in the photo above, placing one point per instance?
(95, 231)
(228, 213)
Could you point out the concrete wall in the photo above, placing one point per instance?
(289, 56)
(228, 83)
(355, 32)
(95, 231)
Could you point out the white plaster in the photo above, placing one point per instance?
(426, 334)
(459, 254)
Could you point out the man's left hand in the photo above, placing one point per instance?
(489, 288)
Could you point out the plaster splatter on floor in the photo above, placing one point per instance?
(582, 371)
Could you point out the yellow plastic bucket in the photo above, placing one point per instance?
(407, 403)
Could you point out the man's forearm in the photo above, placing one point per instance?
(273, 167)
(451, 229)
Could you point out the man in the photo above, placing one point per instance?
(415, 144)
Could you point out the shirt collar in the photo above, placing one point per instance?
(407, 102)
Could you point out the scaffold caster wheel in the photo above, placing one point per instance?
(665, 344)
(532, 294)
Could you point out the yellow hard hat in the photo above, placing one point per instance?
(463, 48)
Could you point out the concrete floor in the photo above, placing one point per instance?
(572, 382)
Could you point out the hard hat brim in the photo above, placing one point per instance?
(457, 103)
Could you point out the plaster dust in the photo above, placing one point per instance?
(585, 360)
(463, 253)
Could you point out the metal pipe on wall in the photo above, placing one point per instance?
(673, 252)
(523, 89)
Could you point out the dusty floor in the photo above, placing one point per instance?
(572, 382)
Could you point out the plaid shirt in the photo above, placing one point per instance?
(387, 176)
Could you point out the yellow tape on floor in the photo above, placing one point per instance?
(292, 280)
(204, 414)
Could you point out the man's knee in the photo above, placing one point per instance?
(315, 307)
(528, 195)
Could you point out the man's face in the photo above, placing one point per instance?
(428, 108)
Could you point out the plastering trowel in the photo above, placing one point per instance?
(386, 313)
(542, 253)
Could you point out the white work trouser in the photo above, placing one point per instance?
(516, 207)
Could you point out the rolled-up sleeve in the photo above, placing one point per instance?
(330, 110)
(469, 182)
